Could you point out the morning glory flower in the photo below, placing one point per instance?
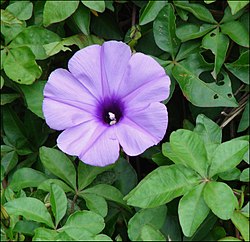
(109, 98)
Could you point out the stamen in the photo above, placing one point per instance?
(112, 118)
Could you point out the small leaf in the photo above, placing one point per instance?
(187, 49)
(22, 9)
(2, 81)
(8, 98)
(242, 224)
(31, 208)
(192, 210)
(20, 66)
(162, 185)
(237, 32)
(149, 216)
(218, 43)
(58, 201)
(190, 149)
(57, 11)
(227, 156)
(164, 30)
(26, 177)
(220, 199)
(240, 68)
(98, 6)
(151, 11)
(244, 177)
(245, 210)
(59, 164)
(236, 6)
(9, 161)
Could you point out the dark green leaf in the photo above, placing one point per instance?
(9, 161)
(45, 186)
(187, 49)
(9, 98)
(244, 122)
(25, 227)
(59, 164)
(26, 177)
(162, 185)
(57, 11)
(164, 30)
(20, 66)
(31, 208)
(192, 210)
(220, 199)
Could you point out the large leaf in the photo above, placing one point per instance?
(188, 31)
(220, 199)
(57, 11)
(242, 224)
(20, 65)
(35, 37)
(26, 177)
(240, 68)
(151, 216)
(98, 6)
(34, 97)
(198, 92)
(162, 185)
(151, 11)
(236, 6)
(164, 30)
(31, 208)
(190, 149)
(59, 164)
(21, 9)
(192, 210)
(58, 201)
(237, 32)
(228, 155)
(218, 43)
(198, 10)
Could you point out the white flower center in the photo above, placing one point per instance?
(112, 118)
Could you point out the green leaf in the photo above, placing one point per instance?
(34, 97)
(59, 164)
(220, 199)
(244, 177)
(57, 11)
(43, 234)
(236, 6)
(189, 31)
(84, 220)
(192, 210)
(45, 186)
(209, 1)
(169, 153)
(8, 18)
(9, 161)
(245, 210)
(31, 208)
(162, 185)
(164, 30)
(151, 11)
(1, 81)
(187, 49)
(227, 156)
(150, 216)
(35, 37)
(108, 192)
(218, 43)
(21, 9)
(25, 227)
(237, 32)
(149, 233)
(20, 66)
(81, 18)
(198, 10)
(96, 204)
(240, 68)
(26, 177)
(8, 98)
(87, 174)
(198, 92)
(190, 150)
(242, 224)
(58, 201)
(98, 6)
(230, 175)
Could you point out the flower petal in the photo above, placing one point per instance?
(85, 65)
(54, 112)
(145, 81)
(115, 57)
(142, 128)
(92, 142)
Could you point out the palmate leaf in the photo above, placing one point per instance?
(198, 92)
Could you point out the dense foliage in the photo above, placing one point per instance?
(193, 186)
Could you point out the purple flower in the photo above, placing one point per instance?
(109, 97)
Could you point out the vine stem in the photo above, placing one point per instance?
(133, 15)
(73, 204)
